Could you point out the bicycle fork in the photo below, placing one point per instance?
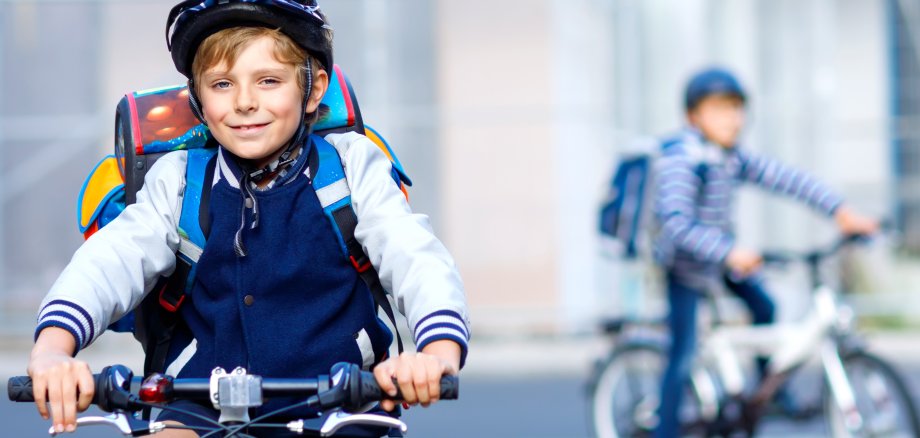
(840, 388)
(705, 391)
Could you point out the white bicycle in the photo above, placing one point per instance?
(863, 395)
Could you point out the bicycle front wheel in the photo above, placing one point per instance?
(882, 400)
(625, 396)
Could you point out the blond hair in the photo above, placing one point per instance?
(225, 46)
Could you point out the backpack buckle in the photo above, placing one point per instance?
(170, 300)
(360, 265)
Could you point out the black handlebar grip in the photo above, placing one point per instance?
(776, 258)
(100, 397)
(19, 389)
(450, 388)
(371, 391)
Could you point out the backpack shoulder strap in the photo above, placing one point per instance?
(158, 315)
(196, 187)
(692, 148)
(192, 232)
(193, 223)
(335, 197)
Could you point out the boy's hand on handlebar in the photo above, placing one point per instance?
(64, 383)
(851, 223)
(743, 262)
(418, 376)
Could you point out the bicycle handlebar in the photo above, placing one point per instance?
(814, 256)
(19, 389)
(346, 386)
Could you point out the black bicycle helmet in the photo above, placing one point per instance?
(191, 21)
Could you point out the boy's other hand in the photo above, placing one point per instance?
(743, 262)
(418, 376)
(64, 383)
(851, 223)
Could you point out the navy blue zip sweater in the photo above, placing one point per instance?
(292, 307)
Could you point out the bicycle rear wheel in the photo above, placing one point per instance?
(882, 399)
(626, 392)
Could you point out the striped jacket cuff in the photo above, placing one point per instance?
(68, 316)
(831, 204)
(440, 325)
(722, 249)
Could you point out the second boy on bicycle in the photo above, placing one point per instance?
(696, 178)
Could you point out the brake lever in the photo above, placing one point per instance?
(338, 419)
(126, 424)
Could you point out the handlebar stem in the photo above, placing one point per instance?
(234, 393)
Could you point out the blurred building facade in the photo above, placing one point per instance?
(508, 116)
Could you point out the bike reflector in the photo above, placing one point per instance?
(156, 389)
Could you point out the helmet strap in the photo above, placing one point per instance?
(194, 103)
(303, 131)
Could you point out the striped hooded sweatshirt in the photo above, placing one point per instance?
(695, 184)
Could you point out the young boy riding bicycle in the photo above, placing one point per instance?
(696, 177)
(272, 292)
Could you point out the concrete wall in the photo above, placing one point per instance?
(496, 131)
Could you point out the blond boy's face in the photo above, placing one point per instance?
(720, 118)
(252, 108)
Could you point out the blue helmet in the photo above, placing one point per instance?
(712, 81)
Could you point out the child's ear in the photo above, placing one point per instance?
(320, 83)
(693, 117)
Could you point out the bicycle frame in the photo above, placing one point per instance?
(787, 346)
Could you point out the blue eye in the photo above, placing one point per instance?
(221, 85)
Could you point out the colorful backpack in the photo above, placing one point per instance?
(152, 123)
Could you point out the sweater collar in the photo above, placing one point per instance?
(229, 168)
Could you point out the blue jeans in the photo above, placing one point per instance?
(682, 325)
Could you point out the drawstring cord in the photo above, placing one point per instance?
(249, 201)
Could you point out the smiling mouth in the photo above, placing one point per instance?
(245, 128)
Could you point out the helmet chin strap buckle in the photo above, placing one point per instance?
(282, 161)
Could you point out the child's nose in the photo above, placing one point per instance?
(246, 100)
